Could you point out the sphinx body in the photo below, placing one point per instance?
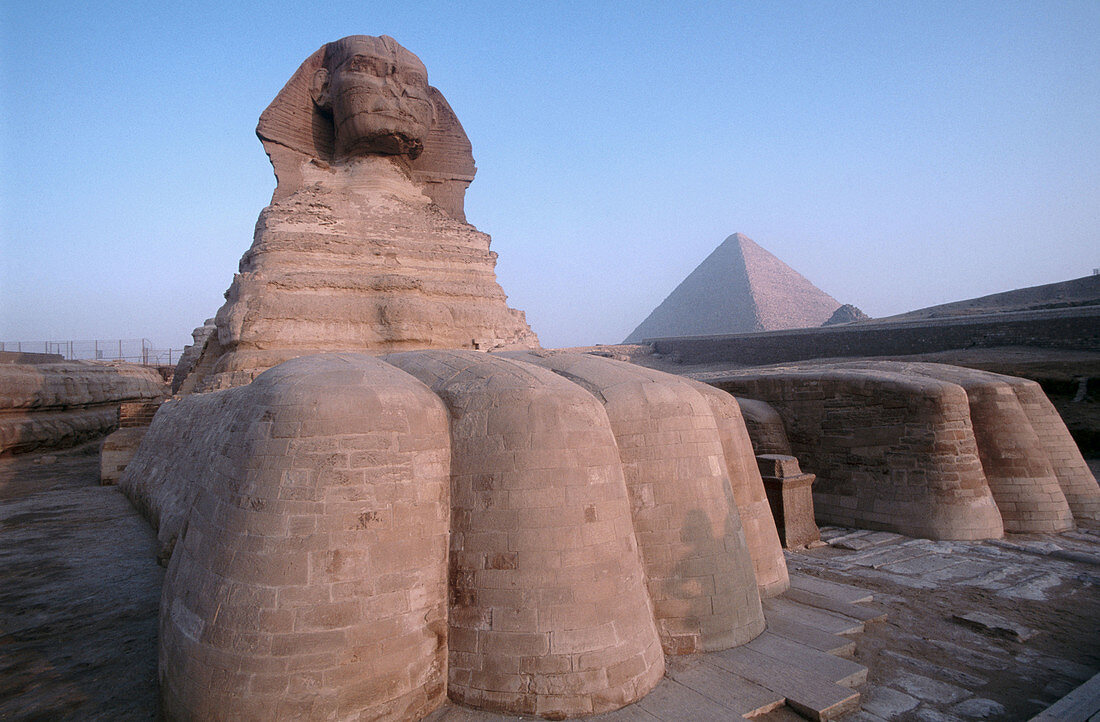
(358, 537)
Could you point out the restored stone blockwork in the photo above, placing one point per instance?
(1015, 462)
(765, 427)
(891, 451)
(1028, 461)
(698, 566)
(748, 492)
(309, 577)
(549, 613)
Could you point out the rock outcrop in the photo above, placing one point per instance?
(62, 403)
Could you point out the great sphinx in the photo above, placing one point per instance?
(374, 490)
(364, 245)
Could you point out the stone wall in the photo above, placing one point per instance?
(697, 561)
(891, 451)
(1074, 328)
(549, 611)
(309, 579)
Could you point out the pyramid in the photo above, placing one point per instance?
(738, 288)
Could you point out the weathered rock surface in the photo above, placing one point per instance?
(191, 353)
(60, 404)
(365, 244)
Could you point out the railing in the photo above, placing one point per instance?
(134, 350)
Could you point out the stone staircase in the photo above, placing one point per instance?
(798, 668)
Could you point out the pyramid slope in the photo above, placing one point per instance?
(738, 288)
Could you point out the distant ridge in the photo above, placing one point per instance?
(1083, 291)
(738, 288)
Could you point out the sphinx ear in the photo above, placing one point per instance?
(319, 90)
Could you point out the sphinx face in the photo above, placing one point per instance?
(378, 94)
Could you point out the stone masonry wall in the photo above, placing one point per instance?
(748, 493)
(1074, 328)
(309, 580)
(890, 451)
(549, 613)
(698, 567)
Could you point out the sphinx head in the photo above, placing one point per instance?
(377, 93)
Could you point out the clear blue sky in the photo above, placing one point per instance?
(898, 154)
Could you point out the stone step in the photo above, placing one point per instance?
(841, 592)
(671, 700)
(855, 611)
(811, 636)
(844, 672)
(808, 693)
(1079, 705)
(811, 616)
(735, 693)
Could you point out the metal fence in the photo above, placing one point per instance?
(134, 350)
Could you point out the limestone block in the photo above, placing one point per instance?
(1076, 480)
(790, 498)
(698, 567)
(549, 613)
(117, 450)
(309, 579)
(1014, 460)
(765, 427)
(54, 405)
(761, 531)
(891, 450)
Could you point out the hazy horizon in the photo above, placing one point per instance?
(898, 155)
